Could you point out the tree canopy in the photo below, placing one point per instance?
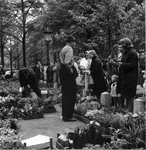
(96, 24)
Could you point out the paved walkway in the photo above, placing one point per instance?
(50, 125)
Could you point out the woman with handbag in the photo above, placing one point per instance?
(96, 71)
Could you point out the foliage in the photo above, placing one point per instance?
(134, 131)
(46, 104)
(31, 106)
(9, 137)
(124, 131)
(128, 131)
(95, 24)
(10, 87)
(133, 24)
(85, 104)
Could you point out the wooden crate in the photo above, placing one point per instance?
(34, 116)
(51, 109)
(39, 142)
(82, 119)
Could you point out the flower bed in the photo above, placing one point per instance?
(125, 132)
(117, 130)
(30, 107)
(13, 106)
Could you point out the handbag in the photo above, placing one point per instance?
(80, 80)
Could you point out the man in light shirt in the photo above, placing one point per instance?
(66, 54)
(68, 74)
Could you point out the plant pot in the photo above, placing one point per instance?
(34, 116)
(82, 119)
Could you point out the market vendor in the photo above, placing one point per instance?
(28, 81)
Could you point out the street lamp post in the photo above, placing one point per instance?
(48, 38)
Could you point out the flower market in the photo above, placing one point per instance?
(99, 125)
(72, 74)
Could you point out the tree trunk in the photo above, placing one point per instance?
(18, 66)
(24, 34)
(109, 35)
(2, 50)
(1, 41)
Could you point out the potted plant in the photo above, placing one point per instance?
(31, 111)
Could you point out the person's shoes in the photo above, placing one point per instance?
(69, 119)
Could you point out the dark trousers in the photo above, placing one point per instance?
(37, 91)
(129, 103)
(68, 103)
(69, 90)
(115, 101)
(26, 92)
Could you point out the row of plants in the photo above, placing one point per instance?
(112, 128)
(127, 132)
(17, 107)
(12, 105)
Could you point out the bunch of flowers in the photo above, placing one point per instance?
(84, 104)
(48, 104)
(31, 106)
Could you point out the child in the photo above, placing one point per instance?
(114, 95)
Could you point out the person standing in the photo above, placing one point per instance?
(113, 94)
(68, 74)
(45, 72)
(38, 70)
(50, 75)
(128, 73)
(112, 67)
(96, 71)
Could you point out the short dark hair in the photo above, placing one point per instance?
(70, 38)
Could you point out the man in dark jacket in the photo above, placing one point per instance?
(128, 73)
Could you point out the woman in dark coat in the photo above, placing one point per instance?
(97, 74)
(128, 73)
